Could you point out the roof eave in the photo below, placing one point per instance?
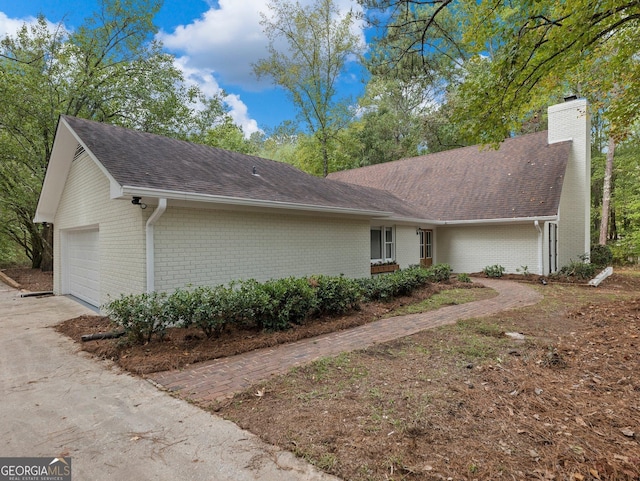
(55, 177)
(508, 220)
(62, 155)
(412, 220)
(128, 190)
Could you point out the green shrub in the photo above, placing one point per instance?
(439, 272)
(213, 309)
(495, 271)
(398, 283)
(251, 302)
(336, 295)
(273, 305)
(291, 300)
(462, 277)
(601, 256)
(626, 251)
(180, 308)
(140, 315)
(578, 269)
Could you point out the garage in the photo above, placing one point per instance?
(83, 265)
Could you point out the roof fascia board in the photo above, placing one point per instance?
(411, 220)
(58, 168)
(102, 168)
(238, 201)
(512, 220)
(559, 141)
(60, 161)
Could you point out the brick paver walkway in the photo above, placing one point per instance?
(221, 378)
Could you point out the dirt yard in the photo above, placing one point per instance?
(33, 280)
(467, 402)
(463, 402)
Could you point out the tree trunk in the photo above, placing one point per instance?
(47, 248)
(35, 249)
(325, 155)
(606, 192)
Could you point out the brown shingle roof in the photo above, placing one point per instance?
(142, 160)
(523, 178)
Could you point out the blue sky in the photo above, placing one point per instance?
(214, 42)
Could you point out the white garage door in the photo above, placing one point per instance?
(83, 266)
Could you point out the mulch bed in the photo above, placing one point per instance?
(182, 347)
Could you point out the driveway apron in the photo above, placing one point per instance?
(57, 401)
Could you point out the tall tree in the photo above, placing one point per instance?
(520, 54)
(529, 47)
(109, 70)
(309, 48)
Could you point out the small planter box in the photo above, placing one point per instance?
(384, 268)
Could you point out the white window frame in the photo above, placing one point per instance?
(385, 245)
(426, 243)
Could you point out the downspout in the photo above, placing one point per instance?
(151, 278)
(540, 247)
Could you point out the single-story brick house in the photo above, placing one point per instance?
(135, 212)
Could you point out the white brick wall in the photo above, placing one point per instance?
(202, 246)
(85, 202)
(407, 246)
(472, 248)
(570, 120)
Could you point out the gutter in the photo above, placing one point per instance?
(536, 223)
(508, 220)
(127, 191)
(151, 278)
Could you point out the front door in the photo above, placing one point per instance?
(426, 247)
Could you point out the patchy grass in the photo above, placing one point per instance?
(445, 298)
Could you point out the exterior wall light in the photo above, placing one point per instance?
(136, 201)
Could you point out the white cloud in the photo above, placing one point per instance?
(240, 115)
(205, 80)
(11, 26)
(228, 39)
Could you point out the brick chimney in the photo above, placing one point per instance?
(570, 121)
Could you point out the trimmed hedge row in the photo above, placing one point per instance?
(273, 305)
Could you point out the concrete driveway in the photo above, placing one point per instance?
(55, 400)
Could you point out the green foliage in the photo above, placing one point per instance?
(508, 59)
(495, 271)
(463, 277)
(626, 251)
(309, 47)
(399, 283)
(110, 70)
(226, 135)
(275, 305)
(524, 270)
(181, 308)
(439, 272)
(290, 301)
(251, 303)
(390, 127)
(601, 256)
(579, 269)
(214, 308)
(336, 295)
(141, 315)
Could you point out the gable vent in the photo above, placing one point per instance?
(79, 152)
